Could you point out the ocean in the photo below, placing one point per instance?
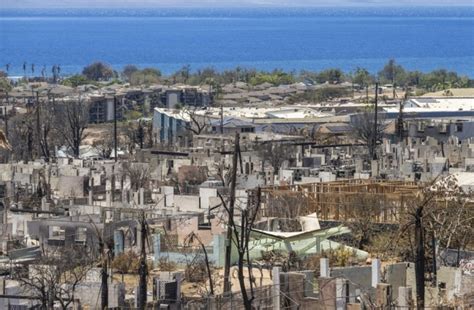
(419, 38)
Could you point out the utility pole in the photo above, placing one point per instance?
(104, 287)
(38, 128)
(143, 270)
(6, 116)
(228, 245)
(115, 128)
(393, 80)
(222, 119)
(374, 138)
(400, 121)
(115, 149)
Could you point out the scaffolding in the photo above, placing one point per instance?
(336, 200)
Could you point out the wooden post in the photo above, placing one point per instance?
(375, 134)
(228, 247)
(38, 127)
(115, 128)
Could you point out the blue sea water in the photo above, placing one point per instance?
(420, 38)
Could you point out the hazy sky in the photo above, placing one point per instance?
(221, 3)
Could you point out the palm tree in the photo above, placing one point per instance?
(24, 68)
(214, 87)
(185, 71)
(56, 69)
(7, 67)
(33, 69)
(53, 71)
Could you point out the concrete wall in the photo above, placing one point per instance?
(172, 99)
(186, 226)
(168, 192)
(359, 277)
(396, 276)
(19, 223)
(186, 203)
(206, 194)
(71, 186)
(11, 287)
(89, 294)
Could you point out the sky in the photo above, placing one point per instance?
(222, 3)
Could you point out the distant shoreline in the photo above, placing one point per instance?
(216, 6)
(431, 11)
(421, 38)
(169, 69)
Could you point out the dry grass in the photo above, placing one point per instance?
(456, 92)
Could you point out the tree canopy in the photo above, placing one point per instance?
(333, 76)
(362, 77)
(76, 80)
(5, 84)
(98, 71)
(145, 76)
(128, 71)
(392, 72)
(277, 77)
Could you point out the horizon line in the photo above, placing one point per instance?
(250, 6)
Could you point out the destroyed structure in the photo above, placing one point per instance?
(296, 180)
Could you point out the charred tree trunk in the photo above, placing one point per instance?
(104, 287)
(228, 247)
(208, 267)
(143, 270)
(240, 274)
(419, 259)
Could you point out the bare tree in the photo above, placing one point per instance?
(287, 207)
(71, 277)
(21, 134)
(362, 211)
(240, 236)
(441, 209)
(196, 264)
(34, 128)
(47, 136)
(105, 145)
(129, 137)
(450, 222)
(126, 262)
(198, 123)
(55, 276)
(365, 131)
(139, 174)
(275, 154)
(137, 135)
(71, 123)
(191, 176)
